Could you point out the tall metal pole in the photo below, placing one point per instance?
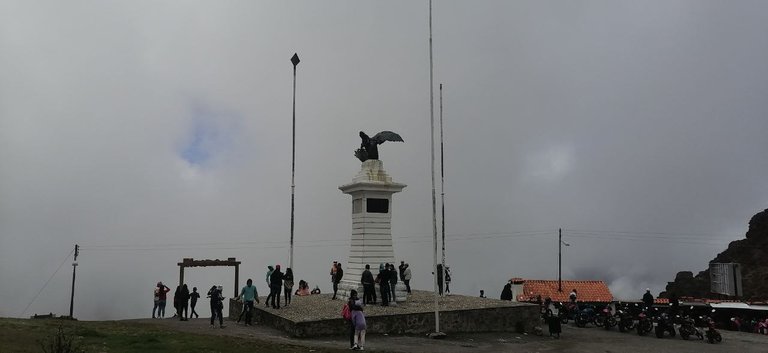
(559, 259)
(295, 60)
(72, 296)
(442, 188)
(432, 174)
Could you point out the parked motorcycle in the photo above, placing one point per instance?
(664, 324)
(688, 328)
(712, 334)
(606, 318)
(585, 316)
(644, 323)
(626, 320)
(562, 312)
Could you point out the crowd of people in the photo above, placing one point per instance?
(281, 285)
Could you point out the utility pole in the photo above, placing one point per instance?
(560, 260)
(72, 296)
(295, 60)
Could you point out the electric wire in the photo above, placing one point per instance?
(46, 283)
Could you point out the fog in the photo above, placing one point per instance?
(147, 132)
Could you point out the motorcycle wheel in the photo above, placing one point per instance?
(580, 323)
(659, 332)
(599, 321)
(564, 320)
(718, 338)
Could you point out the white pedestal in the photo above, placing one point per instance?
(371, 190)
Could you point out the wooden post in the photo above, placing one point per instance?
(237, 276)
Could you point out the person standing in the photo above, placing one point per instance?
(401, 270)
(249, 294)
(176, 306)
(288, 285)
(407, 278)
(648, 299)
(184, 302)
(440, 279)
(369, 286)
(333, 271)
(447, 280)
(157, 300)
(194, 296)
(162, 295)
(382, 278)
(506, 293)
(217, 305)
(358, 323)
(276, 280)
(573, 296)
(336, 279)
(393, 283)
(270, 269)
(351, 305)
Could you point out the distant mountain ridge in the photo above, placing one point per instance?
(751, 253)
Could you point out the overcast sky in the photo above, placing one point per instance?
(149, 131)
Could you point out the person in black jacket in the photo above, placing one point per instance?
(648, 299)
(392, 282)
(383, 279)
(506, 293)
(369, 286)
(275, 284)
(336, 279)
(288, 285)
(184, 302)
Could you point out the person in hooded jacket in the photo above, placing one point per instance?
(506, 293)
(382, 278)
(276, 284)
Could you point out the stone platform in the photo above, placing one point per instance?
(318, 315)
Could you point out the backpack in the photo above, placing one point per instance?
(345, 312)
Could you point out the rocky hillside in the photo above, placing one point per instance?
(751, 253)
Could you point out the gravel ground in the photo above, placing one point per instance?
(574, 340)
(321, 307)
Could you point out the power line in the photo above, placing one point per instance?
(46, 282)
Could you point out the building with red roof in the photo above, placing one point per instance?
(525, 290)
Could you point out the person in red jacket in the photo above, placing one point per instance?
(162, 291)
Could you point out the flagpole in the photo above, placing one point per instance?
(295, 60)
(437, 332)
(442, 189)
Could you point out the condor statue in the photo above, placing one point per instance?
(369, 146)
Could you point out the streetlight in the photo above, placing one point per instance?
(295, 60)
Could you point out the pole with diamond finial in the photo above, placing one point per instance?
(295, 60)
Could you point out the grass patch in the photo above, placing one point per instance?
(25, 335)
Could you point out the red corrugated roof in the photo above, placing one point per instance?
(587, 291)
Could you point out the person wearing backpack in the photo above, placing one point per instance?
(346, 314)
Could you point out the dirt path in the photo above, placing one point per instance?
(577, 340)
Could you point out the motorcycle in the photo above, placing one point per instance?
(644, 323)
(585, 316)
(626, 321)
(664, 324)
(606, 318)
(688, 328)
(562, 312)
(712, 334)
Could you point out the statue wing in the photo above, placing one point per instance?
(386, 136)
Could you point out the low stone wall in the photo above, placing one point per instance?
(508, 318)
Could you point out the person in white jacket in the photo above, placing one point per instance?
(407, 278)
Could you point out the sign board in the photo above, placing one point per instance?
(725, 278)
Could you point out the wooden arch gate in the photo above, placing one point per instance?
(190, 262)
